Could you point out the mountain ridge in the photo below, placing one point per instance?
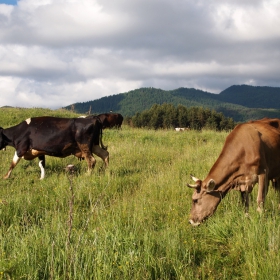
(240, 102)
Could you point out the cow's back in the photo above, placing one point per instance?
(61, 136)
(51, 134)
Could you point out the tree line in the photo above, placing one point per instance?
(168, 116)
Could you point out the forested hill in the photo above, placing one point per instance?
(252, 97)
(241, 103)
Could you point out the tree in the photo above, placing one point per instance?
(168, 116)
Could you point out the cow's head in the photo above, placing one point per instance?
(205, 200)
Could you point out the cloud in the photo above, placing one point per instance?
(57, 52)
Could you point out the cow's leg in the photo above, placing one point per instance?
(91, 161)
(84, 152)
(276, 186)
(42, 164)
(245, 201)
(262, 191)
(15, 161)
(102, 154)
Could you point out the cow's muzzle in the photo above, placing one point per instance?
(195, 224)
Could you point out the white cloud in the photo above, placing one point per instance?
(254, 22)
(57, 52)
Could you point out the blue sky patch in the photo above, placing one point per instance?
(8, 2)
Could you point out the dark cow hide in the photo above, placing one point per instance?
(58, 137)
(110, 120)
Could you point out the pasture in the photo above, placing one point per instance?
(131, 221)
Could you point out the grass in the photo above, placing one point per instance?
(131, 221)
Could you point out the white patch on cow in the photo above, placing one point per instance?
(16, 158)
(42, 170)
(28, 121)
(15, 161)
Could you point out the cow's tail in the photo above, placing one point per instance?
(100, 137)
(101, 143)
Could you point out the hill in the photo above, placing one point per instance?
(251, 97)
(241, 103)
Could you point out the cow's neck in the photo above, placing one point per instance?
(226, 175)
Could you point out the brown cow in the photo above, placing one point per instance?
(251, 154)
(110, 120)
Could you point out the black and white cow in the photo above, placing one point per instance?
(58, 137)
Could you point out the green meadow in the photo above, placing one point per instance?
(131, 220)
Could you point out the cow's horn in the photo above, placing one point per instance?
(195, 186)
(194, 178)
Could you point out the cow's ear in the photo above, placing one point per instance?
(210, 185)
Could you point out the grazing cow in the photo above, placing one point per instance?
(110, 120)
(181, 128)
(251, 154)
(58, 137)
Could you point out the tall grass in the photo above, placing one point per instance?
(131, 221)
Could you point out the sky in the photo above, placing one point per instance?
(54, 53)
